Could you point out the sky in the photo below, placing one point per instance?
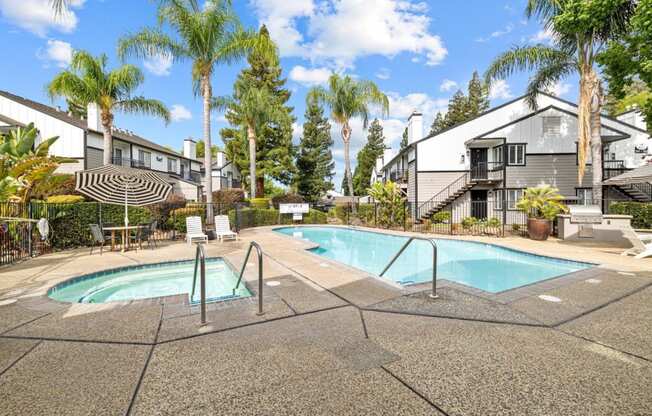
(418, 52)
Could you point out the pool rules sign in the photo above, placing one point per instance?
(297, 210)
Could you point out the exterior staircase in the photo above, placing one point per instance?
(445, 197)
(641, 192)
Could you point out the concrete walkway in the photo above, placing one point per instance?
(333, 341)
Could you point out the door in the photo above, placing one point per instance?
(117, 156)
(479, 204)
(479, 163)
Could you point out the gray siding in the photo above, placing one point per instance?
(557, 170)
(431, 183)
(93, 158)
(411, 190)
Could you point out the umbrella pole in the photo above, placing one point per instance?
(126, 210)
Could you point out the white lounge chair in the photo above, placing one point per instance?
(194, 230)
(641, 244)
(223, 228)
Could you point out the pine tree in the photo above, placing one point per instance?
(478, 98)
(457, 110)
(404, 140)
(274, 149)
(315, 166)
(367, 156)
(438, 124)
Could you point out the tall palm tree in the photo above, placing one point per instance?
(208, 36)
(575, 45)
(348, 98)
(89, 82)
(256, 108)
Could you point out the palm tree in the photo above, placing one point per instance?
(256, 108)
(573, 50)
(348, 98)
(208, 36)
(89, 82)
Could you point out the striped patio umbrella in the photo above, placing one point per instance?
(121, 185)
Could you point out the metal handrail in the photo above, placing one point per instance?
(444, 194)
(200, 258)
(433, 295)
(259, 252)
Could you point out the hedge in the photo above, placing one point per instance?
(177, 218)
(64, 199)
(259, 203)
(641, 212)
(252, 217)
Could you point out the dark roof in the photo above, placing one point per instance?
(82, 124)
(10, 121)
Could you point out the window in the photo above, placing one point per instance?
(584, 195)
(516, 154)
(552, 126)
(172, 165)
(497, 153)
(498, 197)
(117, 154)
(513, 196)
(145, 158)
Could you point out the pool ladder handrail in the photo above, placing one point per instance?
(259, 252)
(200, 259)
(433, 295)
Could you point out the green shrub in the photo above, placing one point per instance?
(259, 203)
(313, 217)
(64, 199)
(469, 222)
(366, 212)
(177, 218)
(493, 222)
(641, 212)
(226, 199)
(516, 228)
(441, 217)
(287, 199)
(254, 217)
(342, 211)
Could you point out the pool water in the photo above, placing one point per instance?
(149, 281)
(483, 266)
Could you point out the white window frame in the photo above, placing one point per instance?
(172, 163)
(498, 154)
(584, 195)
(513, 196)
(498, 199)
(513, 153)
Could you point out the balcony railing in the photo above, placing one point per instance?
(132, 163)
(487, 171)
(400, 175)
(226, 183)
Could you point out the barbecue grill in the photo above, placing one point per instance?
(585, 216)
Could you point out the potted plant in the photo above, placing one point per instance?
(541, 204)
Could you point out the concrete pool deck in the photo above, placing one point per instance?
(333, 340)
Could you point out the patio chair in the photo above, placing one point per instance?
(194, 230)
(223, 228)
(98, 237)
(641, 244)
(143, 234)
(153, 227)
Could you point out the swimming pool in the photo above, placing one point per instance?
(483, 266)
(150, 281)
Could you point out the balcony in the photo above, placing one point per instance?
(399, 176)
(226, 183)
(132, 163)
(487, 172)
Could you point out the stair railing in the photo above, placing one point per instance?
(443, 195)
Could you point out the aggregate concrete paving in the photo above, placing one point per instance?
(11, 350)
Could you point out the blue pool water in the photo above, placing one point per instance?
(149, 281)
(484, 266)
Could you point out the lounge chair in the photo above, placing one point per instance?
(194, 230)
(641, 244)
(223, 228)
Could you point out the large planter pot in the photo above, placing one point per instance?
(538, 229)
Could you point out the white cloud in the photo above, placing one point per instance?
(559, 88)
(159, 65)
(57, 52)
(383, 73)
(500, 90)
(297, 132)
(309, 76)
(339, 32)
(180, 113)
(447, 85)
(402, 106)
(37, 16)
(497, 34)
(542, 36)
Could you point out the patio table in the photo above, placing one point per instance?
(125, 237)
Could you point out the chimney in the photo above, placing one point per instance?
(190, 148)
(93, 114)
(415, 127)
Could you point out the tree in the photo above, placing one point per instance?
(315, 166)
(200, 147)
(478, 98)
(25, 165)
(372, 150)
(391, 203)
(457, 110)
(580, 30)
(256, 109)
(274, 145)
(348, 98)
(208, 35)
(438, 124)
(404, 140)
(627, 64)
(88, 82)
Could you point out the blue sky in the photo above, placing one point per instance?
(418, 52)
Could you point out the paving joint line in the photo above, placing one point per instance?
(23, 355)
(24, 323)
(413, 390)
(86, 341)
(454, 318)
(364, 324)
(142, 373)
(592, 341)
